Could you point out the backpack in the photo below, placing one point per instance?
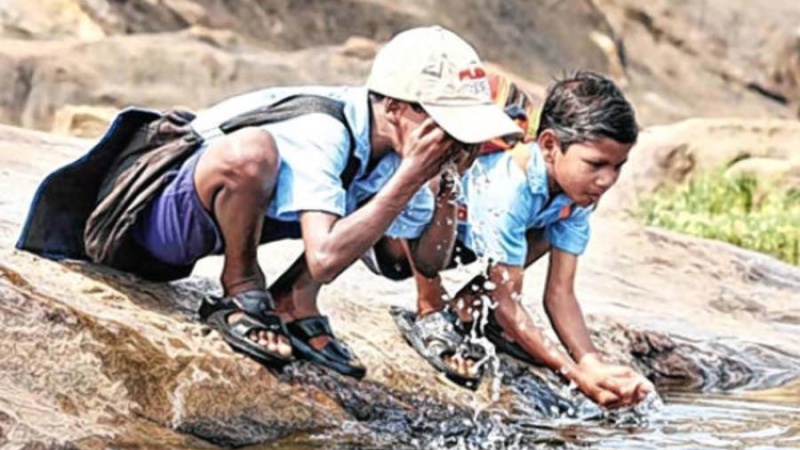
(87, 209)
(518, 105)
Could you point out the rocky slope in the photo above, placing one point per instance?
(676, 59)
(90, 358)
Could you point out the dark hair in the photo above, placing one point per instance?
(586, 106)
(376, 97)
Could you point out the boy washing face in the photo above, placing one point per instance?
(513, 207)
(516, 206)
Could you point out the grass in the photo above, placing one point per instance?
(733, 210)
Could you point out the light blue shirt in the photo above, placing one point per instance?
(313, 151)
(499, 203)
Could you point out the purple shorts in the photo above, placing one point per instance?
(176, 229)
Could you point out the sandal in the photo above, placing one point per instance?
(258, 316)
(335, 355)
(436, 337)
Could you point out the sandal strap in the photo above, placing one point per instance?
(255, 302)
(439, 326)
(310, 327)
(257, 306)
(245, 325)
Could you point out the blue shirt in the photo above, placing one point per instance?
(500, 202)
(313, 151)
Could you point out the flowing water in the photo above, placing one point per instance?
(684, 421)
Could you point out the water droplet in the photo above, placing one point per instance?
(489, 286)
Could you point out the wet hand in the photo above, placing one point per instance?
(610, 385)
(428, 148)
(445, 185)
(465, 155)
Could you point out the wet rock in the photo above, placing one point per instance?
(103, 358)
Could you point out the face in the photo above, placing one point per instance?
(587, 169)
(407, 118)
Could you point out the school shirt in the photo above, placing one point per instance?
(499, 203)
(313, 152)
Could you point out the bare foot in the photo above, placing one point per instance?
(273, 342)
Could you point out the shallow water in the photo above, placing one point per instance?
(684, 421)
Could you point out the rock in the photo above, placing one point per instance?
(616, 67)
(93, 357)
(83, 121)
(48, 19)
(360, 47)
(156, 71)
(772, 173)
(784, 73)
(670, 154)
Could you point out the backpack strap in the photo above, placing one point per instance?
(296, 106)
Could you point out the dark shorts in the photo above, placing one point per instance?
(176, 229)
(380, 263)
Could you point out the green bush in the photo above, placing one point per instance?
(732, 210)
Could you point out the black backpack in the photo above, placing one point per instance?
(86, 209)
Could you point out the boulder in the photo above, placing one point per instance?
(669, 154)
(83, 121)
(96, 358)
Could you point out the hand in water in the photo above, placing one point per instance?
(611, 386)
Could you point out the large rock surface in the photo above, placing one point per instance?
(676, 59)
(93, 358)
(667, 155)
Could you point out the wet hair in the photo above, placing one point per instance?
(586, 106)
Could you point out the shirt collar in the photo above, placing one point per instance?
(538, 182)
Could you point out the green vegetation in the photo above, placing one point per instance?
(733, 210)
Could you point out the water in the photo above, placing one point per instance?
(685, 421)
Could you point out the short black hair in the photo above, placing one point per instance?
(376, 97)
(586, 106)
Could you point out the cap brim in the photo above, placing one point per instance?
(473, 124)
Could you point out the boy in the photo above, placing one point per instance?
(518, 205)
(302, 178)
(514, 207)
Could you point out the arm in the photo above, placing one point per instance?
(568, 322)
(518, 323)
(333, 243)
(434, 248)
(606, 385)
(431, 252)
(562, 306)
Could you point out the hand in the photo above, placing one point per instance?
(465, 156)
(446, 185)
(609, 385)
(427, 148)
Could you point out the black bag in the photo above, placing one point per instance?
(86, 209)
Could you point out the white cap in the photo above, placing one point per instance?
(434, 67)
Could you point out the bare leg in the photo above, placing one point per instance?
(235, 178)
(295, 294)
